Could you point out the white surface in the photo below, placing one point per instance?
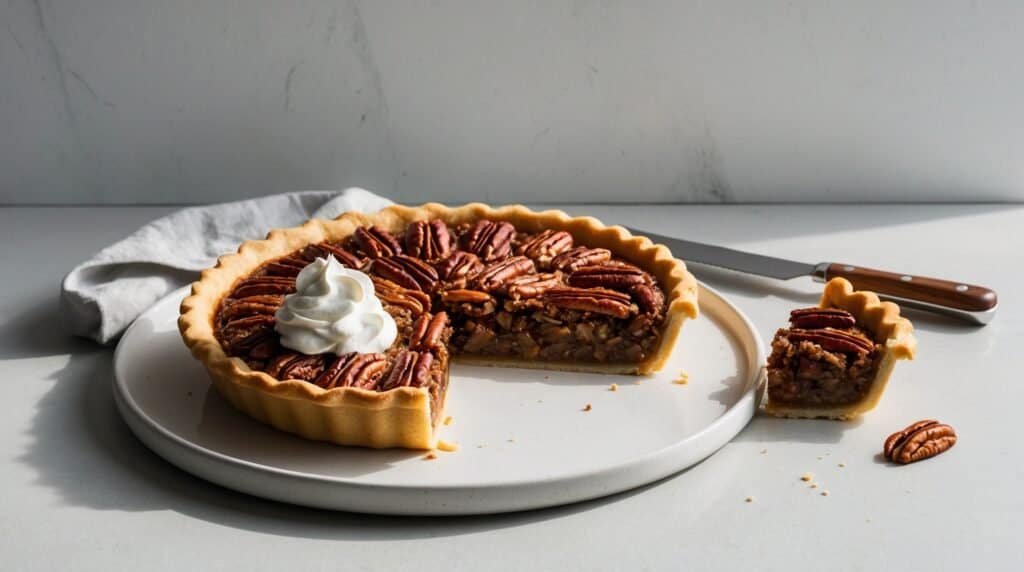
(524, 440)
(572, 100)
(81, 491)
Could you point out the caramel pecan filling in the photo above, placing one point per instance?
(824, 358)
(481, 288)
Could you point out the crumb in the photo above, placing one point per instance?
(814, 485)
(587, 407)
(547, 377)
(683, 378)
(806, 477)
(511, 440)
(820, 458)
(446, 446)
(613, 387)
(448, 420)
(764, 451)
(750, 499)
(429, 457)
(824, 493)
(842, 465)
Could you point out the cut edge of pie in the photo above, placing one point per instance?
(400, 417)
(894, 332)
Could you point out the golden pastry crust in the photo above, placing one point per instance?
(400, 417)
(894, 332)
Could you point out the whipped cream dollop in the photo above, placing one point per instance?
(334, 309)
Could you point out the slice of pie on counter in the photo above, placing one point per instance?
(834, 360)
(342, 330)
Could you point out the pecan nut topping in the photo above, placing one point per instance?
(490, 240)
(496, 276)
(532, 285)
(621, 277)
(597, 300)
(353, 370)
(428, 240)
(470, 302)
(919, 441)
(579, 257)
(833, 340)
(325, 249)
(459, 268)
(407, 272)
(288, 267)
(545, 246)
(650, 299)
(411, 369)
(392, 294)
(296, 366)
(245, 326)
(427, 331)
(819, 318)
(264, 285)
(376, 242)
(247, 307)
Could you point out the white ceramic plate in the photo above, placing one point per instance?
(524, 440)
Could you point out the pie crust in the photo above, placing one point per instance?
(399, 417)
(895, 334)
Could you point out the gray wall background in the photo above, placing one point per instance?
(158, 101)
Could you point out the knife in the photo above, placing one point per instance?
(969, 302)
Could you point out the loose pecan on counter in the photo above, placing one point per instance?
(919, 441)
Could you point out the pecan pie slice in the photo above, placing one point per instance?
(505, 287)
(834, 360)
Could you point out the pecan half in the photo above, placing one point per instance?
(287, 266)
(497, 275)
(291, 365)
(597, 300)
(490, 240)
(263, 285)
(469, 302)
(257, 344)
(650, 298)
(427, 331)
(246, 307)
(459, 268)
(406, 271)
(411, 369)
(545, 246)
(376, 242)
(818, 318)
(245, 326)
(428, 240)
(622, 277)
(415, 301)
(532, 285)
(919, 441)
(325, 249)
(833, 340)
(579, 257)
(353, 370)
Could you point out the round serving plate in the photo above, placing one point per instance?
(526, 438)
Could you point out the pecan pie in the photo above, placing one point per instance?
(833, 361)
(508, 287)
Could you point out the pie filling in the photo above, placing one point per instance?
(476, 289)
(823, 359)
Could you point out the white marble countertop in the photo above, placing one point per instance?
(79, 491)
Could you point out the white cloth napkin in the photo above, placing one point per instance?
(104, 294)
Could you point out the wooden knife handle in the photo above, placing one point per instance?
(923, 290)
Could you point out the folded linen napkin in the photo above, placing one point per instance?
(104, 294)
